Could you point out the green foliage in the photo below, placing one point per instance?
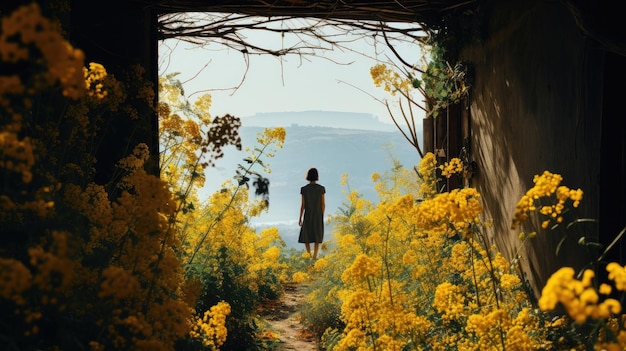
(442, 84)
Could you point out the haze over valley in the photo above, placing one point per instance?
(336, 143)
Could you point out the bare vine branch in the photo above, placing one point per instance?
(304, 37)
(283, 36)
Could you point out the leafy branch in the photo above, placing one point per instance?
(442, 84)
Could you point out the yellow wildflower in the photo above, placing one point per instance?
(579, 298)
(617, 274)
(362, 267)
(300, 277)
(546, 185)
(455, 166)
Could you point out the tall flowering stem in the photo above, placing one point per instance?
(270, 138)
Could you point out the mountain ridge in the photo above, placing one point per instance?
(318, 118)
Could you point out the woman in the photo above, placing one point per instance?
(312, 207)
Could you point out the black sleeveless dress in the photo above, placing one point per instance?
(312, 230)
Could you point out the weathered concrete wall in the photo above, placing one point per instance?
(535, 106)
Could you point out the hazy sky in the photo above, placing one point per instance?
(281, 84)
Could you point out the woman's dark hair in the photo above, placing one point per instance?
(312, 175)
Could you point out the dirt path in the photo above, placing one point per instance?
(283, 319)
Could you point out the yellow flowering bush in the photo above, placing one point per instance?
(234, 263)
(589, 310)
(57, 63)
(417, 272)
(211, 328)
(86, 263)
(118, 259)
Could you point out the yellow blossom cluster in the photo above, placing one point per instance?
(54, 268)
(96, 260)
(16, 280)
(203, 103)
(579, 297)
(547, 187)
(427, 168)
(458, 257)
(272, 136)
(94, 77)
(454, 166)
(118, 284)
(300, 277)
(320, 264)
(617, 274)
(211, 328)
(450, 301)
(526, 324)
(136, 159)
(483, 324)
(61, 63)
(510, 281)
(362, 268)
(270, 141)
(375, 319)
(409, 257)
(185, 149)
(460, 208)
(389, 79)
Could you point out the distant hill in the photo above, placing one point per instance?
(332, 119)
(334, 151)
